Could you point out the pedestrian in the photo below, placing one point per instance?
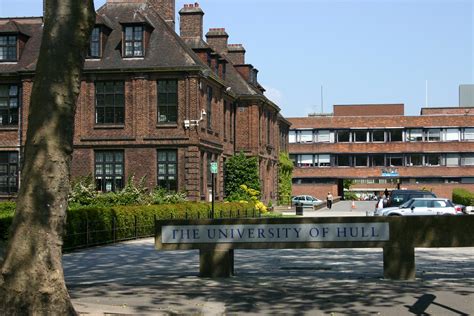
(379, 205)
(386, 193)
(329, 199)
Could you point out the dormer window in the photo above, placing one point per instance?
(8, 48)
(134, 41)
(95, 49)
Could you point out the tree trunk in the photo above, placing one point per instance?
(31, 278)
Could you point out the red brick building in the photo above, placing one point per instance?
(378, 147)
(152, 103)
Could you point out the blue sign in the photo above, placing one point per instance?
(390, 172)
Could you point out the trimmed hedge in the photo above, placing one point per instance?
(88, 226)
(463, 196)
(7, 209)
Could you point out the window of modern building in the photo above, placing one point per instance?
(324, 136)
(467, 180)
(451, 134)
(306, 161)
(133, 39)
(167, 101)
(324, 160)
(8, 48)
(429, 180)
(360, 136)
(415, 160)
(395, 135)
(168, 170)
(8, 172)
(378, 136)
(394, 161)
(415, 135)
(110, 102)
(360, 160)
(378, 160)
(343, 136)
(433, 135)
(452, 160)
(467, 160)
(9, 103)
(305, 136)
(344, 160)
(95, 50)
(432, 160)
(109, 170)
(292, 137)
(209, 107)
(469, 134)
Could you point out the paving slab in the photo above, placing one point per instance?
(133, 278)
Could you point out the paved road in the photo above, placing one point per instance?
(342, 208)
(134, 279)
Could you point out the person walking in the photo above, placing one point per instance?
(329, 200)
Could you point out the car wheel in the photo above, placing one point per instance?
(394, 215)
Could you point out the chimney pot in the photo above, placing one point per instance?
(191, 21)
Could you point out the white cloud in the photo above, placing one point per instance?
(274, 95)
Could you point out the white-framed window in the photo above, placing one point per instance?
(324, 160)
(306, 161)
(292, 137)
(469, 134)
(452, 160)
(433, 135)
(324, 136)
(415, 160)
(468, 160)
(415, 135)
(306, 136)
(451, 134)
(433, 160)
(359, 136)
(378, 136)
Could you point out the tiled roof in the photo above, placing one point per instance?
(32, 27)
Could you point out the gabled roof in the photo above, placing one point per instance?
(31, 27)
(165, 49)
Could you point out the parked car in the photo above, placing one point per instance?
(398, 197)
(306, 200)
(420, 207)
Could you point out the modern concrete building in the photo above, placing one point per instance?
(379, 147)
(152, 103)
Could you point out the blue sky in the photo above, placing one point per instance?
(360, 51)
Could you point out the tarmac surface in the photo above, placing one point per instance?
(133, 278)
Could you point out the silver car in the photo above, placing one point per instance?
(421, 207)
(306, 200)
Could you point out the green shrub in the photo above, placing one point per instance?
(7, 210)
(463, 196)
(348, 195)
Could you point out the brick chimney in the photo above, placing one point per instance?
(236, 54)
(217, 39)
(166, 9)
(191, 21)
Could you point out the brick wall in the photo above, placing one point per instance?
(369, 109)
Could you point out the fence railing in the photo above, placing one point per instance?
(89, 233)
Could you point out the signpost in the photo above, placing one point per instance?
(213, 172)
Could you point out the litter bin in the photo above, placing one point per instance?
(299, 208)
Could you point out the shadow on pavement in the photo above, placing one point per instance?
(294, 282)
